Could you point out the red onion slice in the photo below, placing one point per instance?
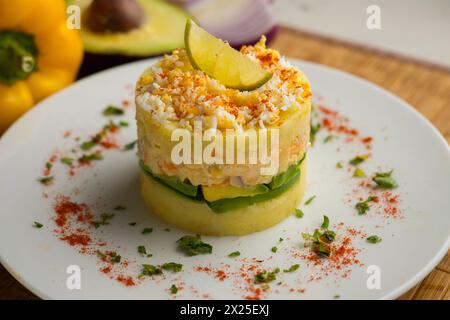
(236, 21)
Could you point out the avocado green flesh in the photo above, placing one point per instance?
(225, 205)
(172, 182)
(162, 31)
(279, 184)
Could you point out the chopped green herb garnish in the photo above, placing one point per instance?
(281, 240)
(325, 223)
(88, 145)
(113, 111)
(49, 165)
(234, 254)
(142, 250)
(363, 206)
(66, 161)
(147, 230)
(150, 270)
(266, 276)
(299, 213)
(132, 224)
(329, 235)
(120, 208)
(373, 239)
(339, 165)
(358, 159)
(274, 249)
(86, 158)
(167, 230)
(172, 266)
(292, 268)
(173, 289)
(46, 181)
(123, 124)
(359, 173)
(111, 257)
(193, 245)
(101, 255)
(329, 138)
(114, 257)
(320, 240)
(337, 296)
(38, 225)
(130, 146)
(384, 180)
(105, 218)
(307, 202)
(314, 129)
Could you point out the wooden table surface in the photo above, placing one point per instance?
(425, 87)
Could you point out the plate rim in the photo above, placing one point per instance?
(397, 292)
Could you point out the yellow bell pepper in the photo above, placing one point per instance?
(39, 54)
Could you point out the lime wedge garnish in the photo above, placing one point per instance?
(221, 62)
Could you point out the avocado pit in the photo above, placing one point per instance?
(106, 16)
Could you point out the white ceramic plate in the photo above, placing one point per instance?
(403, 141)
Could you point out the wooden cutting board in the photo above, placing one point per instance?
(427, 88)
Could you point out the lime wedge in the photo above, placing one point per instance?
(221, 62)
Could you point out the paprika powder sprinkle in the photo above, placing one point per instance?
(77, 239)
(65, 208)
(127, 281)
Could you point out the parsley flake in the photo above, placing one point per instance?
(66, 161)
(358, 159)
(173, 289)
(113, 111)
(130, 146)
(46, 181)
(172, 266)
(192, 245)
(307, 202)
(150, 270)
(385, 180)
(147, 230)
(105, 218)
(373, 239)
(363, 206)
(37, 225)
(299, 213)
(266, 276)
(359, 173)
(292, 268)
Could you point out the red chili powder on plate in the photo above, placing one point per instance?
(127, 281)
(65, 208)
(76, 239)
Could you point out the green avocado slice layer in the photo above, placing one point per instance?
(279, 184)
(225, 205)
(172, 182)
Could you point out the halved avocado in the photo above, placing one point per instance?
(160, 30)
